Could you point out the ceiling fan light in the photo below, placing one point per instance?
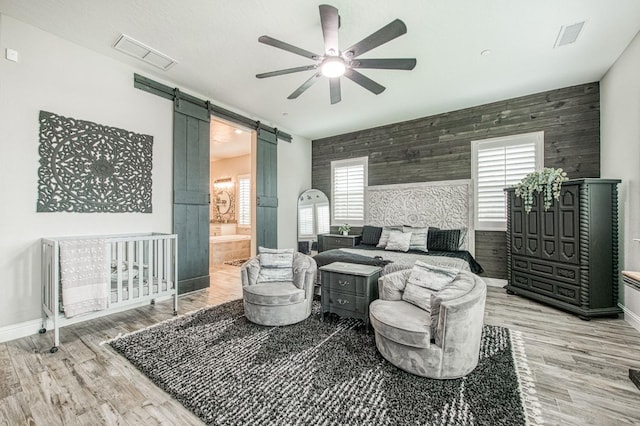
(333, 67)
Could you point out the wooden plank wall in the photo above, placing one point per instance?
(438, 147)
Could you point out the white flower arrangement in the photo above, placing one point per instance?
(548, 182)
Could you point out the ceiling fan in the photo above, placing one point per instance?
(335, 63)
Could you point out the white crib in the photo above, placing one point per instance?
(143, 267)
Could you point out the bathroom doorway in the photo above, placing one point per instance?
(232, 209)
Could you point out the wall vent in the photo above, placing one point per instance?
(133, 47)
(568, 34)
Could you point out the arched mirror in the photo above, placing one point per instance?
(313, 219)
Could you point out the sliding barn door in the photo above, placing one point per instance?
(191, 193)
(267, 190)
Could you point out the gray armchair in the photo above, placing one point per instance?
(405, 336)
(280, 302)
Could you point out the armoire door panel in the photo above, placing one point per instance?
(532, 229)
(516, 216)
(569, 252)
(568, 225)
(517, 222)
(549, 249)
(518, 245)
(568, 220)
(549, 223)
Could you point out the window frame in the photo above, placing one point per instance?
(364, 161)
(536, 138)
(248, 178)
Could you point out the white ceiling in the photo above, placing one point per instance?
(216, 45)
(228, 141)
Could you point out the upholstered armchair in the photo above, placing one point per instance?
(277, 287)
(441, 341)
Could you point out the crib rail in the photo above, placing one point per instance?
(141, 268)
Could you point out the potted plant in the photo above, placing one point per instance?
(548, 182)
(344, 229)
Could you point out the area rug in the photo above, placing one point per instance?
(227, 370)
(236, 262)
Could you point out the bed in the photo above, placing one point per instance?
(444, 208)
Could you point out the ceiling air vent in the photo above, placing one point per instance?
(568, 34)
(143, 52)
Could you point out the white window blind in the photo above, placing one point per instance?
(497, 164)
(322, 215)
(349, 177)
(305, 221)
(244, 201)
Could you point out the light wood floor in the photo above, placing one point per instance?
(580, 368)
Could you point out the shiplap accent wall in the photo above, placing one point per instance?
(438, 147)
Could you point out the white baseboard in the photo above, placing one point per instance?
(17, 331)
(631, 317)
(29, 328)
(494, 282)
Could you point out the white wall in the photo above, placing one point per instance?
(294, 177)
(61, 77)
(620, 154)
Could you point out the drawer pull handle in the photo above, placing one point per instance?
(343, 283)
(343, 301)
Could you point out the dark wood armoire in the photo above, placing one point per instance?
(567, 256)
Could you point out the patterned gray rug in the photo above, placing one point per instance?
(227, 371)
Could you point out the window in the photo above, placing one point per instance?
(496, 164)
(244, 201)
(322, 215)
(348, 180)
(305, 221)
(306, 226)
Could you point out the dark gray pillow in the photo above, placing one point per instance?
(443, 239)
(371, 235)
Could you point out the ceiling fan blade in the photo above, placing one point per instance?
(364, 81)
(385, 64)
(387, 33)
(334, 89)
(330, 22)
(286, 71)
(304, 86)
(286, 46)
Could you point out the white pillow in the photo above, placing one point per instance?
(431, 276)
(424, 282)
(384, 236)
(275, 265)
(399, 241)
(418, 237)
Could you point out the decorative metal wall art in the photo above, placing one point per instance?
(87, 167)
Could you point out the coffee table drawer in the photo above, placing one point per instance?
(351, 284)
(347, 302)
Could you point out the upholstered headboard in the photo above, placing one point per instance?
(445, 204)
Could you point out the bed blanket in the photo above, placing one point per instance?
(370, 255)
